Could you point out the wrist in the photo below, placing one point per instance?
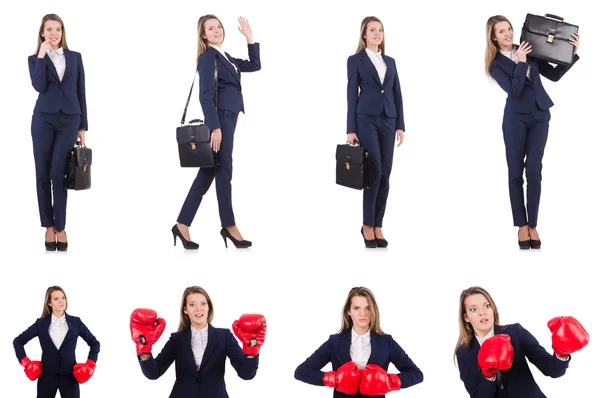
(25, 361)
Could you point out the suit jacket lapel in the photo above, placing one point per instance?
(210, 345)
(70, 331)
(365, 58)
(374, 343)
(344, 345)
(52, 67)
(223, 60)
(68, 61)
(388, 73)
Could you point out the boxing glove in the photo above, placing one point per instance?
(84, 371)
(496, 353)
(346, 379)
(568, 335)
(248, 327)
(33, 369)
(376, 381)
(146, 328)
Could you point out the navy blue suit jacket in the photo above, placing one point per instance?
(337, 351)
(517, 382)
(523, 93)
(229, 88)
(374, 97)
(209, 381)
(67, 96)
(57, 360)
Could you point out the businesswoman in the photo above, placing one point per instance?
(360, 354)
(491, 357)
(526, 119)
(198, 349)
(57, 332)
(221, 119)
(59, 120)
(375, 119)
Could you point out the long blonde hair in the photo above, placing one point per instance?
(47, 310)
(491, 49)
(184, 319)
(362, 42)
(63, 38)
(202, 42)
(374, 325)
(466, 333)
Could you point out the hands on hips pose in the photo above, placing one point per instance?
(146, 328)
(33, 369)
(84, 371)
(568, 336)
(345, 380)
(496, 353)
(251, 329)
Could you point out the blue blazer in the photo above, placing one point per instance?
(337, 351)
(209, 381)
(375, 98)
(57, 361)
(517, 382)
(524, 93)
(67, 96)
(229, 88)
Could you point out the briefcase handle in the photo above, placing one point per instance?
(552, 16)
(196, 121)
(215, 91)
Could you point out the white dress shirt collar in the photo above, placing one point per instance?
(220, 49)
(373, 53)
(355, 336)
(62, 319)
(480, 340)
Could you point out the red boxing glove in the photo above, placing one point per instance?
(33, 369)
(146, 328)
(345, 380)
(248, 327)
(496, 353)
(84, 371)
(568, 335)
(376, 381)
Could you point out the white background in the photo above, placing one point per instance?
(448, 218)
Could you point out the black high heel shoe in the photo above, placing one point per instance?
(239, 244)
(50, 246)
(535, 243)
(381, 242)
(62, 246)
(187, 244)
(370, 243)
(524, 244)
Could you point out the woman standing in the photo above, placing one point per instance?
(57, 332)
(492, 358)
(198, 349)
(360, 354)
(59, 120)
(526, 119)
(375, 119)
(221, 119)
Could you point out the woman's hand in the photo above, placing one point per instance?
(351, 138)
(44, 47)
(523, 50)
(215, 140)
(245, 29)
(400, 137)
(575, 41)
(81, 137)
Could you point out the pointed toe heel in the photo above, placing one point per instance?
(239, 244)
(187, 244)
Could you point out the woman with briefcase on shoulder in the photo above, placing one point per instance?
(59, 120)
(221, 119)
(526, 118)
(375, 120)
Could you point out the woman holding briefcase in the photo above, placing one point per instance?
(221, 119)
(59, 120)
(526, 119)
(492, 357)
(375, 119)
(198, 349)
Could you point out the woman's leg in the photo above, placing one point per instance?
(42, 134)
(536, 143)
(224, 171)
(68, 386)
(47, 386)
(366, 130)
(386, 138)
(199, 187)
(514, 128)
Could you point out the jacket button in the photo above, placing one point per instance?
(382, 91)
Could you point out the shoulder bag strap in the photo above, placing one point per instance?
(215, 90)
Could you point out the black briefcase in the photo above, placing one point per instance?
(193, 139)
(352, 166)
(549, 38)
(79, 168)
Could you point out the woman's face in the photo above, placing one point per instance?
(52, 32)
(58, 302)
(213, 32)
(360, 313)
(197, 309)
(374, 34)
(479, 313)
(503, 34)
